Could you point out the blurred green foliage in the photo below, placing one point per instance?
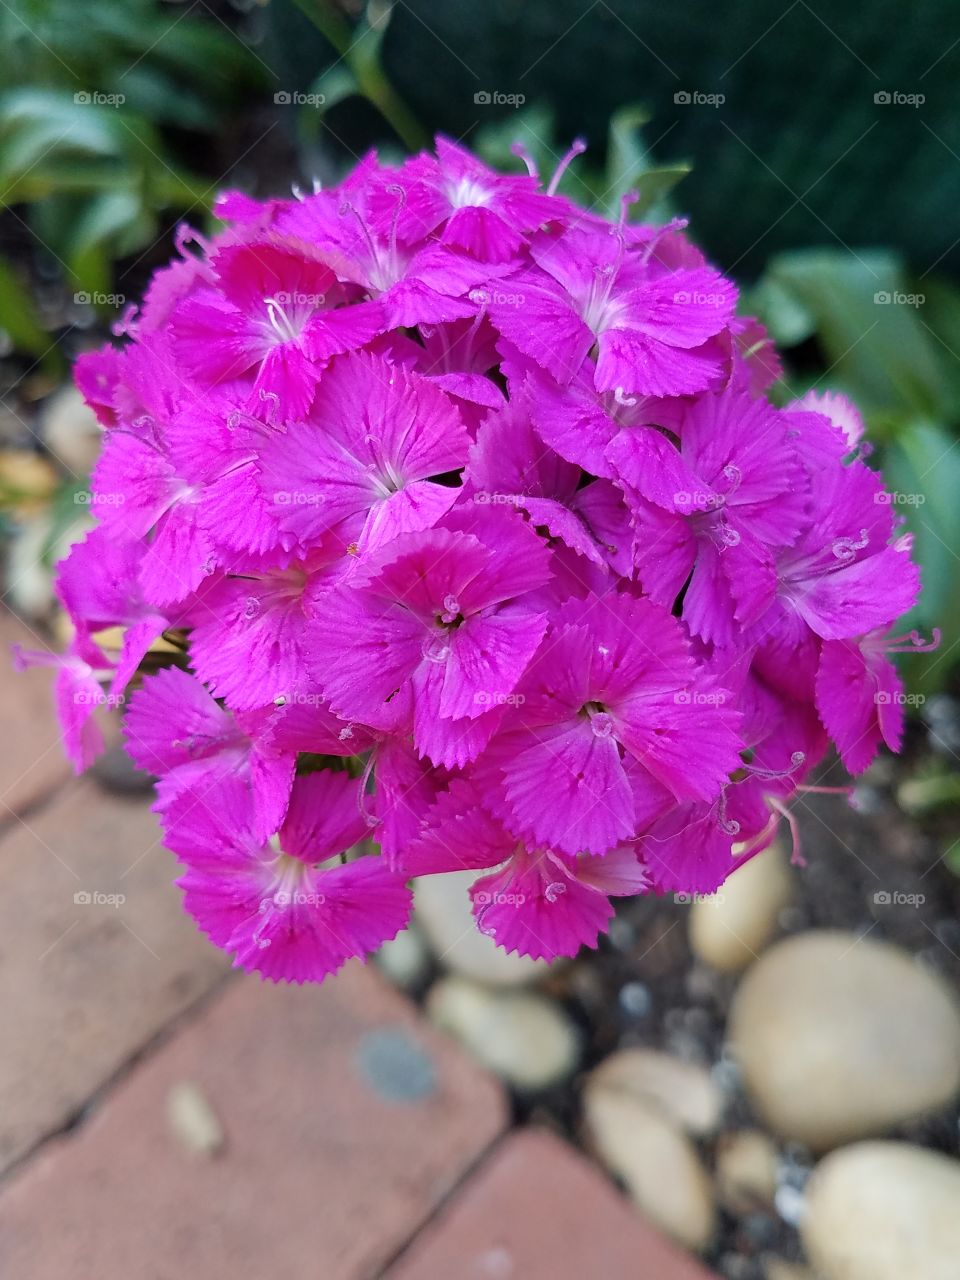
(92, 98)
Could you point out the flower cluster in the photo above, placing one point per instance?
(475, 542)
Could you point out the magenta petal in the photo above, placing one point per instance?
(419, 505)
(569, 790)
(859, 702)
(325, 816)
(860, 597)
(251, 641)
(639, 363)
(77, 695)
(540, 320)
(171, 720)
(450, 743)
(363, 650)
(687, 852)
(620, 873)
(406, 788)
(457, 834)
(534, 907)
(178, 559)
(286, 377)
(647, 462)
(303, 933)
(487, 657)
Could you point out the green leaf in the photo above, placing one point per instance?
(630, 166)
(332, 86)
(37, 128)
(532, 126)
(151, 92)
(780, 309)
(870, 332)
(922, 470)
(64, 511)
(653, 187)
(20, 320)
(116, 220)
(367, 44)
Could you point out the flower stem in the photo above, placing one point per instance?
(371, 79)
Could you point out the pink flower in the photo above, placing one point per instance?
(279, 910)
(613, 702)
(860, 696)
(77, 694)
(472, 519)
(271, 311)
(374, 439)
(538, 902)
(431, 635)
(176, 730)
(650, 324)
(477, 210)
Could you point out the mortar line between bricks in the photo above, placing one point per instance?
(460, 1186)
(10, 818)
(101, 1094)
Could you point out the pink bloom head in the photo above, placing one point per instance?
(475, 536)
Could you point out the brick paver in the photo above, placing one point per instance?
(346, 1120)
(86, 980)
(32, 762)
(537, 1210)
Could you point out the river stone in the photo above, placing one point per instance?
(746, 1170)
(884, 1211)
(405, 959)
(193, 1120)
(730, 928)
(442, 907)
(656, 1162)
(524, 1037)
(840, 1038)
(779, 1269)
(683, 1090)
(71, 432)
